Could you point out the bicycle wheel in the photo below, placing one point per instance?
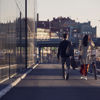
(94, 70)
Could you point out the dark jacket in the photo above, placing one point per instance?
(62, 49)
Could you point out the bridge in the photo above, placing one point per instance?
(52, 42)
(55, 42)
(45, 81)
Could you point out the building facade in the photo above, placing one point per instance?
(78, 31)
(75, 30)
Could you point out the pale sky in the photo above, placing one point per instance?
(80, 10)
(10, 9)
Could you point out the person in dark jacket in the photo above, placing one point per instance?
(64, 51)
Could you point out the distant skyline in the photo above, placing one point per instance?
(79, 10)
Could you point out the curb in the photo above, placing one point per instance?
(10, 86)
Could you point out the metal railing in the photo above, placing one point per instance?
(7, 72)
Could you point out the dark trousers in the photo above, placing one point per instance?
(66, 63)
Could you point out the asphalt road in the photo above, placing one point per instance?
(46, 83)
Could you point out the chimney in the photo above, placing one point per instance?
(37, 17)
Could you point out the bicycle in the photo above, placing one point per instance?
(93, 58)
(94, 70)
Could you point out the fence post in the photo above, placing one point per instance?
(9, 65)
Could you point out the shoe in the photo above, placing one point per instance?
(82, 77)
(85, 77)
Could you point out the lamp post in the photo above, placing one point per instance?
(60, 28)
(50, 29)
(25, 33)
(20, 38)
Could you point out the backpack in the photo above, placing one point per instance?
(68, 50)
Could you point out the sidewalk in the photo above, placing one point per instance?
(46, 83)
(10, 83)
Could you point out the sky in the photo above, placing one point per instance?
(11, 9)
(79, 10)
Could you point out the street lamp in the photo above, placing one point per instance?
(26, 33)
(60, 28)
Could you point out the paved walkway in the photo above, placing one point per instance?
(46, 83)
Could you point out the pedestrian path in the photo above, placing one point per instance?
(45, 82)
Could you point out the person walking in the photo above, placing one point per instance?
(86, 45)
(64, 51)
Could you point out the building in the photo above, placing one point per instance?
(43, 33)
(75, 30)
(86, 28)
(78, 31)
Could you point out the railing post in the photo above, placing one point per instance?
(40, 54)
(9, 65)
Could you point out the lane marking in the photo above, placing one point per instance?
(10, 86)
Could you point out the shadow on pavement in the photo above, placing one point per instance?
(53, 93)
(48, 72)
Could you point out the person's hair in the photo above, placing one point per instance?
(85, 40)
(64, 36)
